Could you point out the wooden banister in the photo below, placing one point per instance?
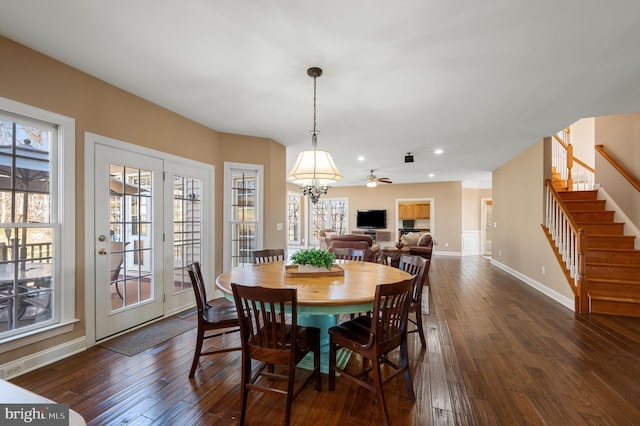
(619, 167)
(570, 241)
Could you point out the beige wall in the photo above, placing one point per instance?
(620, 136)
(97, 107)
(447, 218)
(518, 210)
(471, 208)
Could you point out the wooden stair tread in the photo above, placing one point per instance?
(615, 249)
(622, 299)
(615, 281)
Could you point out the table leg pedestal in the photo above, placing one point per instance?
(323, 322)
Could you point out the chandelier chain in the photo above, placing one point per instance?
(314, 104)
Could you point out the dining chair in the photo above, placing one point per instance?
(346, 253)
(219, 316)
(373, 338)
(267, 255)
(417, 266)
(270, 334)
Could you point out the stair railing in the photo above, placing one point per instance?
(619, 167)
(579, 175)
(570, 240)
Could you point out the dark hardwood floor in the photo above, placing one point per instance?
(499, 353)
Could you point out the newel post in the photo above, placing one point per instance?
(583, 245)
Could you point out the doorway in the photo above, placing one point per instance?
(147, 216)
(128, 239)
(486, 213)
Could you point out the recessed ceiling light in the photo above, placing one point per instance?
(438, 151)
(361, 158)
(431, 175)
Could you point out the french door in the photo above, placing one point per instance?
(129, 283)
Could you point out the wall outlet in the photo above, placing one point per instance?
(12, 370)
(279, 227)
(544, 270)
(499, 253)
(446, 244)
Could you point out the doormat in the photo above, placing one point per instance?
(148, 336)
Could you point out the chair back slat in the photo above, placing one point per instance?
(345, 253)
(267, 255)
(390, 311)
(263, 314)
(416, 266)
(195, 273)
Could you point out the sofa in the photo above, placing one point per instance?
(417, 243)
(361, 242)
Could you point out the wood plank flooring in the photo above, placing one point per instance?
(498, 353)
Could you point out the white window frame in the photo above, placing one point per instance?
(310, 221)
(298, 224)
(63, 159)
(229, 168)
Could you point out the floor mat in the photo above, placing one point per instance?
(148, 336)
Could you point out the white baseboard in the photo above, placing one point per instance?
(40, 359)
(560, 298)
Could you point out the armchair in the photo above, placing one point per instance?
(420, 244)
(360, 242)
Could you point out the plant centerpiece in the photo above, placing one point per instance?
(313, 260)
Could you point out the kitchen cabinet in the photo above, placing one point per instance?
(414, 211)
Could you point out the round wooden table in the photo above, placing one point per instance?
(352, 292)
(320, 299)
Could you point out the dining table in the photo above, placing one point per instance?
(320, 299)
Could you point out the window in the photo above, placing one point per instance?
(293, 219)
(187, 238)
(329, 213)
(34, 239)
(243, 212)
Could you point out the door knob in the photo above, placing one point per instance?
(102, 251)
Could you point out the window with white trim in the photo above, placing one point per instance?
(243, 212)
(329, 213)
(34, 248)
(293, 218)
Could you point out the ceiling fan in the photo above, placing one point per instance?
(372, 180)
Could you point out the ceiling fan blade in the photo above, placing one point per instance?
(384, 180)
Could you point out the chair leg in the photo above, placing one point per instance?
(246, 377)
(290, 385)
(377, 379)
(118, 291)
(198, 350)
(332, 364)
(404, 364)
(316, 367)
(423, 341)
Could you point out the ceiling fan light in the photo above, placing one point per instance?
(372, 184)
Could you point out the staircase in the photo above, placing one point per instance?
(611, 282)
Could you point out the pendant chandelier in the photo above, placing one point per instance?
(314, 170)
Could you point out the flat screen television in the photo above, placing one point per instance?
(371, 219)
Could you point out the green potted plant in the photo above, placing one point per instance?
(313, 260)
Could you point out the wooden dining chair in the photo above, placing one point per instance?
(373, 338)
(267, 255)
(417, 266)
(270, 334)
(346, 253)
(219, 316)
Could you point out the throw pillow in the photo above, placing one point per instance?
(410, 238)
(425, 240)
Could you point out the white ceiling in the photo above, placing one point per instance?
(482, 80)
